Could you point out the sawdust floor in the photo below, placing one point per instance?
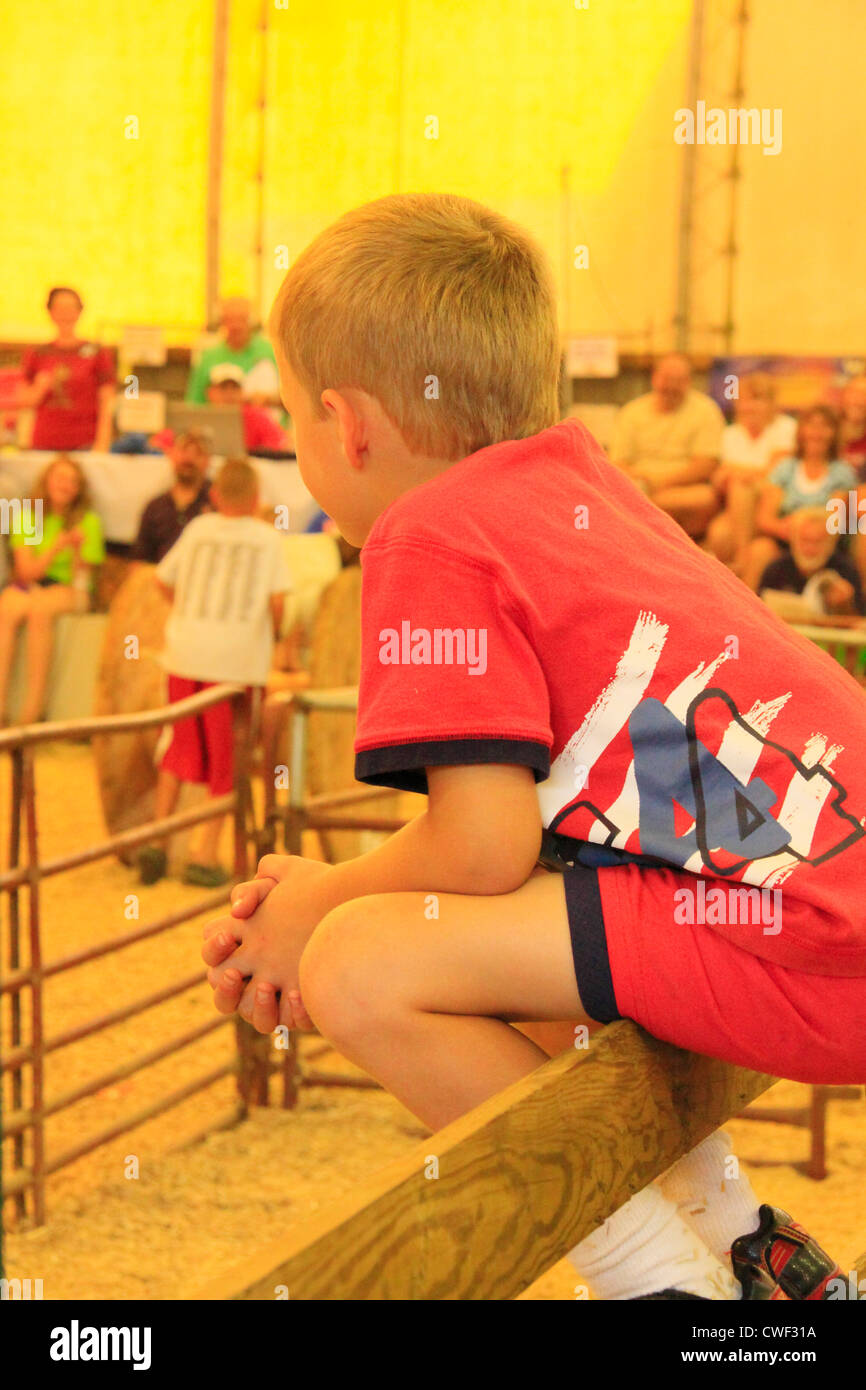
(192, 1212)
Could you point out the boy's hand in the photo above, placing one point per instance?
(254, 961)
(272, 869)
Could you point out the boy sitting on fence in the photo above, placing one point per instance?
(577, 688)
(226, 577)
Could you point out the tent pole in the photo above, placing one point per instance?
(259, 245)
(215, 160)
(687, 192)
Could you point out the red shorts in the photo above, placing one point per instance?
(690, 986)
(202, 748)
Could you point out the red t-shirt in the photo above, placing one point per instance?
(67, 417)
(530, 605)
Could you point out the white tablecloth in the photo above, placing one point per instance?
(121, 485)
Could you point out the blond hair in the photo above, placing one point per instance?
(438, 307)
(237, 483)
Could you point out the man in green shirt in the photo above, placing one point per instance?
(243, 348)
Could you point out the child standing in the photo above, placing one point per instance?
(567, 677)
(226, 577)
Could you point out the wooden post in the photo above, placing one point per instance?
(482, 1208)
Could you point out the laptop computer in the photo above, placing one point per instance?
(222, 423)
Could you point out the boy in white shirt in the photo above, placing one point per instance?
(226, 577)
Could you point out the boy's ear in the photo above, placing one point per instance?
(352, 426)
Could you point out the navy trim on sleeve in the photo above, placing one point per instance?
(401, 765)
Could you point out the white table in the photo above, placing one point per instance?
(121, 485)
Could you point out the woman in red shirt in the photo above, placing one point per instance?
(70, 383)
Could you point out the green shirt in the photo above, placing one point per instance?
(62, 567)
(258, 349)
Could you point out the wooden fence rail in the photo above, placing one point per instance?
(521, 1179)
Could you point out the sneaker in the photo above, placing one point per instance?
(206, 875)
(780, 1260)
(152, 864)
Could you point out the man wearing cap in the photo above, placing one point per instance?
(164, 518)
(225, 387)
(243, 348)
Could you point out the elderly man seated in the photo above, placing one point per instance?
(243, 348)
(669, 441)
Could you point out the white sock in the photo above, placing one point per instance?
(716, 1199)
(645, 1247)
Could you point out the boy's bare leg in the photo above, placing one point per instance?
(167, 793)
(153, 857)
(208, 845)
(424, 1005)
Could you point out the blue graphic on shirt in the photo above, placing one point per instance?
(734, 819)
(736, 816)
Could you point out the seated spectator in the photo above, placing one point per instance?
(243, 348)
(816, 568)
(70, 383)
(261, 431)
(54, 551)
(760, 437)
(810, 478)
(668, 442)
(852, 426)
(165, 517)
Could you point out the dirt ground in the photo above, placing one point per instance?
(193, 1211)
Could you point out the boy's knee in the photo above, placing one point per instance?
(338, 969)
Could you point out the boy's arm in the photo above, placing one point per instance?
(480, 834)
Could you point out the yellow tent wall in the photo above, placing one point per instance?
(120, 219)
(800, 274)
(559, 116)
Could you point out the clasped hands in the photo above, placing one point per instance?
(253, 954)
